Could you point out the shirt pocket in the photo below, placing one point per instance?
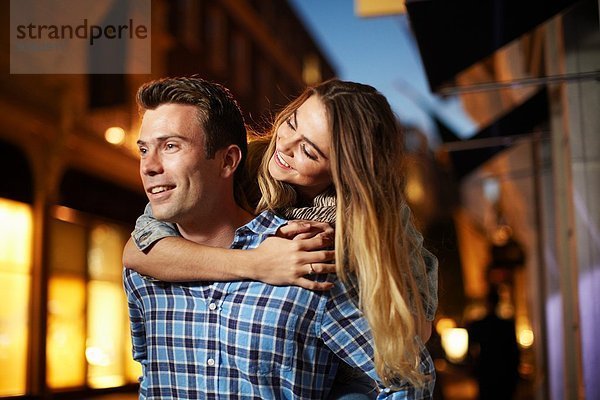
(271, 346)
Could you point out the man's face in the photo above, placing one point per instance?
(179, 181)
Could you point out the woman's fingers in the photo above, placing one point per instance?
(312, 285)
(320, 227)
(305, 258)
(318, 242)
(306, 235)
(291, 262)
(321, 268)
(293, 228)
(299, 227)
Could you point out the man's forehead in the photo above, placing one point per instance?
(171, 121)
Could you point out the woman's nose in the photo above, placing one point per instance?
(285, 140)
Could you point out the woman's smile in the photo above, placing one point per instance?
(280, 161)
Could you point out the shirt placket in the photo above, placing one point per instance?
(212, 351)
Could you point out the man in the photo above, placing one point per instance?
(239, 339)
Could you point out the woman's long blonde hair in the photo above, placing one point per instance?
(372, 241)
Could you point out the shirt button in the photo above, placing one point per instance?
(212, 306)
(210, 362)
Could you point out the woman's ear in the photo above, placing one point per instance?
(231, 158)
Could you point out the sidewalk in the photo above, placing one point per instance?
(114, 396)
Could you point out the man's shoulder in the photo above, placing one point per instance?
(129, 274)
(260, 227)
(266, 221)
(132, 278)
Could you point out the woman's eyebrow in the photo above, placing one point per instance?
(314, 146)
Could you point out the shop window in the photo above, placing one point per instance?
(15, 280)
(107, 309)
(88, 343)
(65, 340)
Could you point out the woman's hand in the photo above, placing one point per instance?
(287, 262)
(303, 229)
(277, 261)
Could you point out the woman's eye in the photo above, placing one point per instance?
(289, 123)
(308, 153)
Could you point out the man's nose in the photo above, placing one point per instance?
(151, 164)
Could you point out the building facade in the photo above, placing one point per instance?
(528, 215)
(71, 189)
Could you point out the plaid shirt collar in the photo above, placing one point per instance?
(264, 225)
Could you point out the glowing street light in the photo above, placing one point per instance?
(115, 135)
(455, 342)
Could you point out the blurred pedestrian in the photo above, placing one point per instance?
(494, 350)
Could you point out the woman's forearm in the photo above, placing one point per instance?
(276, 261)
(175, 259)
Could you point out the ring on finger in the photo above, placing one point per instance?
(312, 270)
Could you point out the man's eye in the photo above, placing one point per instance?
(143, 150)
(170, 146)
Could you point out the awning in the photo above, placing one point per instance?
(523, 120)
(454, 34)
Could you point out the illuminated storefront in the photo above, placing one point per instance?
(88, 334)
(15, 280)
(82, 321)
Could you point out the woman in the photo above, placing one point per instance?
(335, 156)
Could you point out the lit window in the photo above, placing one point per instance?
(15, 280)
(107, 352)
(65, 341)
(88, 342)
(104, 354)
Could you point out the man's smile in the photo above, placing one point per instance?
(160, 189)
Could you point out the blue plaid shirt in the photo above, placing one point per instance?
(249, 340)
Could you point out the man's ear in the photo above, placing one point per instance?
(231, 158)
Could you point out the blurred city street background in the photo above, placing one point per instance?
(499, 103)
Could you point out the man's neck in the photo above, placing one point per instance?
(215, 229)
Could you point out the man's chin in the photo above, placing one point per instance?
(162, 214)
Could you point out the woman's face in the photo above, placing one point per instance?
(301, 155)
